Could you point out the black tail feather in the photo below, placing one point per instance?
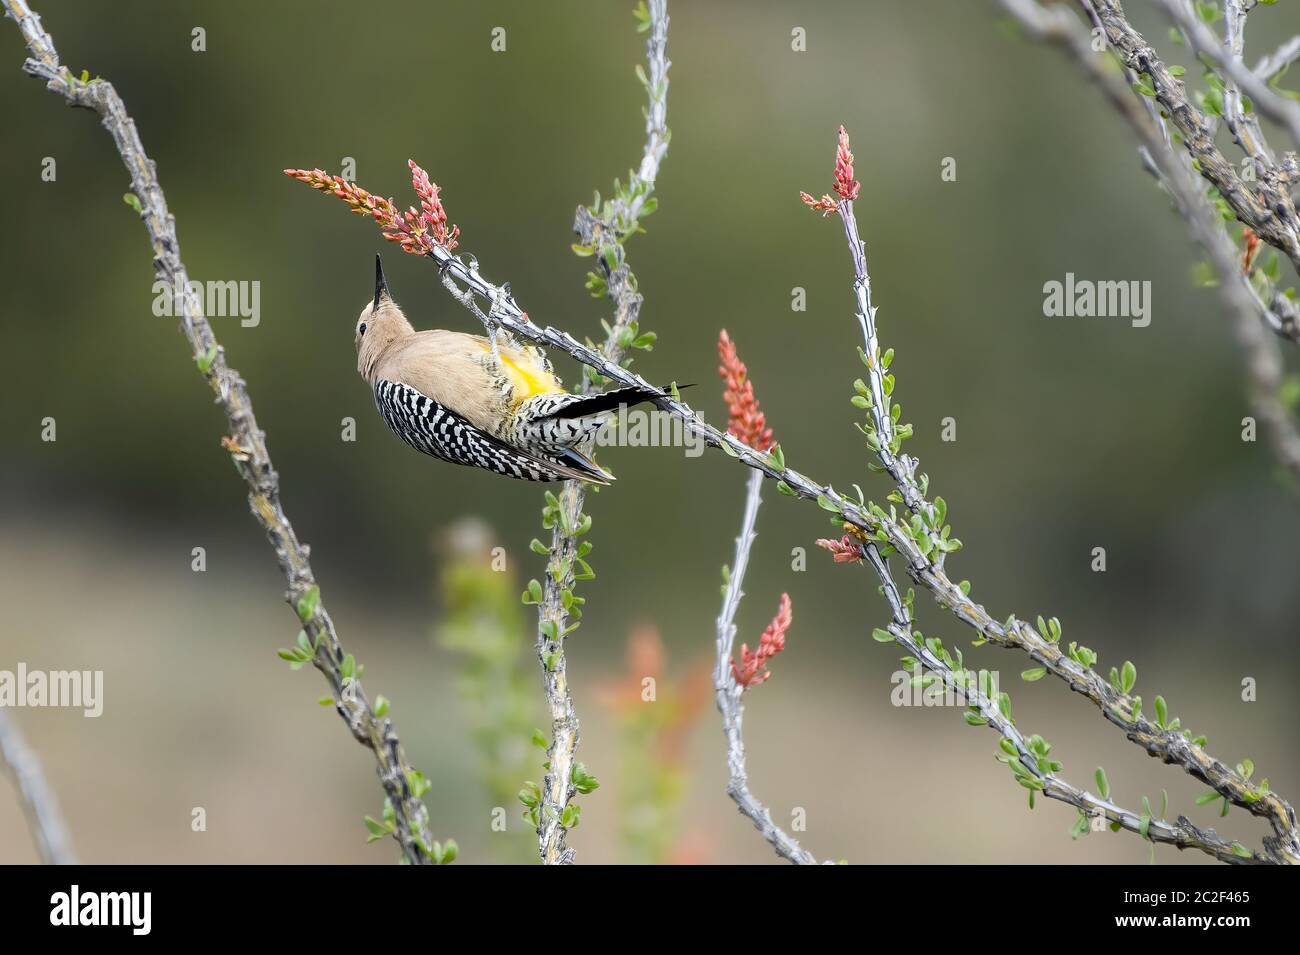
(607, 401)
(582, 467)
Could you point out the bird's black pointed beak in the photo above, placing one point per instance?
(381, 286)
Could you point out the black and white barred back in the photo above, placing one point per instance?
(539, 424)
(436, 430)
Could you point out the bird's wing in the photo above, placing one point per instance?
(456, 370)
(447, 367)
(435, 429)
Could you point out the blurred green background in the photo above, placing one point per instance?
(1072, 433)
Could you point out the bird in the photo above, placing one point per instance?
(468, 400)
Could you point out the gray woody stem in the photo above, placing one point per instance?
(1264, 364)
(602, 232)
(1168, 746)
(39, 804)
(246, 443)
(1182, 834)
(728, 692)
(1268, 208)
(1117, 707)
(1263, 360)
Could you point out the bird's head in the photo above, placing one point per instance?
(380, 323)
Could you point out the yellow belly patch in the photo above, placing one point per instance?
(526, 380)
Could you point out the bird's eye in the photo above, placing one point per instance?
(362, 329)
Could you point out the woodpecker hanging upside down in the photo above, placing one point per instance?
(454, 396)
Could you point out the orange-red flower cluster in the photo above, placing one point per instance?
(769, 645)
(748, 423)
(846, 550)
(825, 205)
(681, 699)
(416, 231)
(1252, 247)
(433, 216)
(845, 186)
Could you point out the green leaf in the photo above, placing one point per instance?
(308, 603)
(381, 705)
(206, 360)
(1080, 827)
(1037, 673)
(583, 781)
(1103, 784)
(882, 636)
(445, 853)
(826, 504)
(1004, 704)
(132, 200)
(1128, 676)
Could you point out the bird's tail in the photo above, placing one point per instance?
(585, 406)
(558, 423)
(573, 463)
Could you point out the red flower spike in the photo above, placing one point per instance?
(416, 231)
(432, 215)
(772, 642)
(845, 186)
(748, 423)
(1252, 247)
